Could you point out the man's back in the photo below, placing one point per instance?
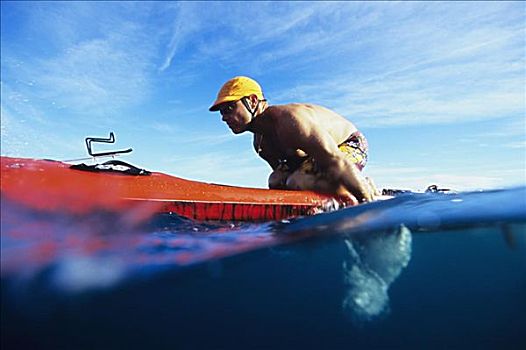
(310, 119)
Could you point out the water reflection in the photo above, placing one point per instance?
(96, 250)
(374, 261)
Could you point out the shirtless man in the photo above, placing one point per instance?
(308, 146)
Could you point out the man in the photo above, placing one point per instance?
(308, 146)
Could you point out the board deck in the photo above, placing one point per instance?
(52, 186)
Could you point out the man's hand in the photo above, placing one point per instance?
(351, 180)
(346, 197)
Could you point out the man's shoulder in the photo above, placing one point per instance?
(308, 116)
(305, 113)
(291, 110)
(293, 106)
(292, 118)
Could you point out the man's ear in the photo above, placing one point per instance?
(253, 100)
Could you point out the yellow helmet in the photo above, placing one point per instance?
(235, 89)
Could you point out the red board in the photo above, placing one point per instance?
(52, 186)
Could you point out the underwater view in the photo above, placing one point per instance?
(420, 270)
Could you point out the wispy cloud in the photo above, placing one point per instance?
(84, 72)
(186, 22)
(508, 133)
(69, 69)
(95, 75)
(508, 128)
(237, 37)
(23, 137)
(518, 145)
(431, 69)
(480, 77)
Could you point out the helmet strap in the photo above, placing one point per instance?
(249, 109)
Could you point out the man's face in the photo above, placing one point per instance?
(235, 115)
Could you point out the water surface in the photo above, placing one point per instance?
(417, 271)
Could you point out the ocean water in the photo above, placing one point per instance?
(420, 271)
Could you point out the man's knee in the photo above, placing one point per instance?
(302, 181)
(278, 179)
(294, 182)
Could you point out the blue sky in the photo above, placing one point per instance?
(438, 88)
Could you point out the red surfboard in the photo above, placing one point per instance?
(52, 186)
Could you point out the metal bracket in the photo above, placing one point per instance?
(111, 139)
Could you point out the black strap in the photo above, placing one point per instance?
(112, 166)
(247, 106)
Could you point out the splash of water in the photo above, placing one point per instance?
(373, 264)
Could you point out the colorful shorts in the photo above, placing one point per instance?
(355, 149)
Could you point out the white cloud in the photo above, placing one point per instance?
(470, 90)
(23, 137)
(86, 70)
(97, 75)
(428, 69)
(518, 144)
(186, 22)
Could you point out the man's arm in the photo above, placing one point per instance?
(264, 151)
(277, 178)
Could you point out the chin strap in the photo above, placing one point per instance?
(250, 110)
